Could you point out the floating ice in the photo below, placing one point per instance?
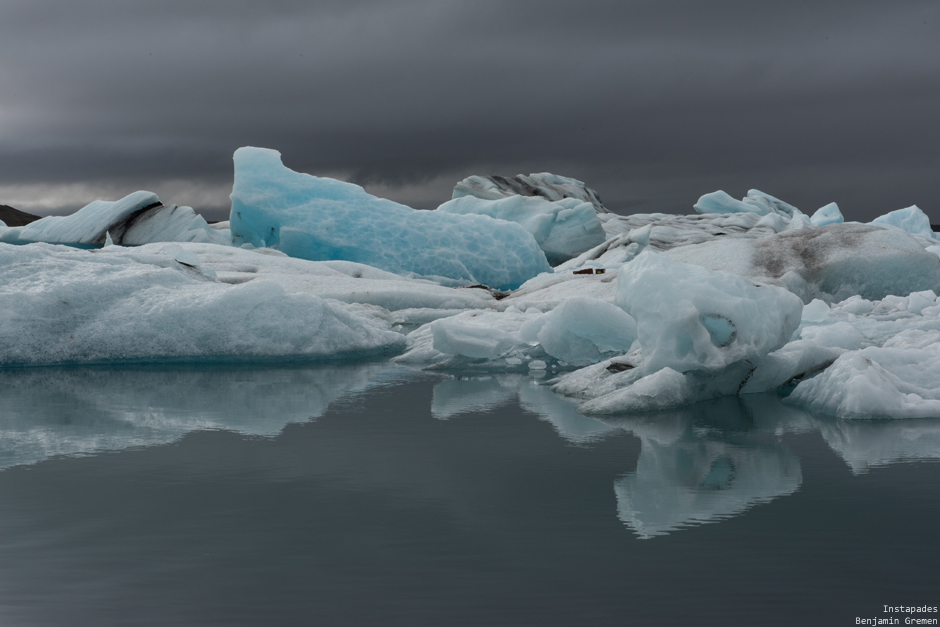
(827, 214)
(136, 219)
(62, 305)
(563, 229)
(544, 185)
(322, 219)
(898, 380)
(911, 219)
(689, 318)
(832, 262)
(755, 202)
(580, 331)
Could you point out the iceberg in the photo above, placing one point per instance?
(831, 263)
(911, 219)
(579, 331)
(562, 228)
(898, 380)
(756, 201)
(544, 184)
(689, 318)
(139, 218)
(827, 214)
(324, 219)
(61, 305)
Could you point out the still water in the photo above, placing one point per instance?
(377, 495)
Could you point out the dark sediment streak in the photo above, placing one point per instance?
(15, 217)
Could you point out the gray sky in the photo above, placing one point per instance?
(650, 103)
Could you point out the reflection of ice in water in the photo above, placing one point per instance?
(864, 444)
(692, 474)
(70, 411)
(861, 443)
(480, 394)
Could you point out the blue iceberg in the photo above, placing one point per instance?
(324, 219)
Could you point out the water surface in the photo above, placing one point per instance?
(373, 494)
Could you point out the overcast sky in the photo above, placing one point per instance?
(650, 103)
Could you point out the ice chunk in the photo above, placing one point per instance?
(722, 202)
(544, 184)
(816, 311)
(689, 318)
(831, 262)
(756, 201)
(136, 219)
(838, 335)
(894, 381)
(911, 219)
(563, 229)
(62, 305)
(320, 219)
(827, 214)
(580, 330)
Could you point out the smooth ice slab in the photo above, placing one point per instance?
(321, 219)
(61, 305)
(563, 229)
(139, 218)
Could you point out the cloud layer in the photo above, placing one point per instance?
(650, 103)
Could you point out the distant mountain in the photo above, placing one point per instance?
(15, 217)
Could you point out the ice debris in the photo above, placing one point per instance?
(324, 219)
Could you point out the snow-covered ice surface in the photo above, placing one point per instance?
(139, 218)
(161, 302)
(324, 219)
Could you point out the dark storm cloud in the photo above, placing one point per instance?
(651, 103)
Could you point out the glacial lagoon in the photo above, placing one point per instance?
(378, 494)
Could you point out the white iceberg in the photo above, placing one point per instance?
(831, 262)
(689, 318)
(324, 219)
(898, 380)
(139, 218)
(544, 184)
(64, 305)
(911, 219)
(827, 214)
(579, 331)
(756, 201)
(563, 228)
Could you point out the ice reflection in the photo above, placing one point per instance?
(73, 411)
(864, 445)
(452, 397)
(701, 465)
